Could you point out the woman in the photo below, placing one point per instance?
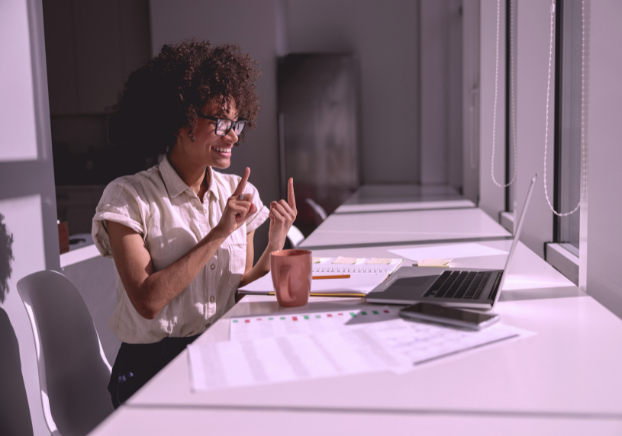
(180, 233)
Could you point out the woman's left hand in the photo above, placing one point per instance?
(282, 216)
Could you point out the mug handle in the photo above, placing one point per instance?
(284, 271)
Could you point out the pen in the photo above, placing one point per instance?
(342, 276)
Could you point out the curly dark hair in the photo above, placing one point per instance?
(166, 93)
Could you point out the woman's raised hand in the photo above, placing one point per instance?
(239, 207)
(282, 215)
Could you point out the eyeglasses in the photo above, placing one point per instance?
(224, 125)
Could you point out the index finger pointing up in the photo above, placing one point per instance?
(240, 188)
(291, 198)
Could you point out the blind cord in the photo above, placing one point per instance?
(548, 88)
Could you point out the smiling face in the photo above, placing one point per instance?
(208, 149)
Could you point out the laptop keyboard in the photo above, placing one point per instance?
(466, 285)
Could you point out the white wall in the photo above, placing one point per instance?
(28, 204)
(454, 92)
(604, 226)
(471, 99)
(252, 24)
(440, 48)
(434, 143)
(389, 37)
(384, 36)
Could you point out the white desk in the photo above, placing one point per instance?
(405, 227)
(404, 205)
(570, 369)
(245, 422)
(400, 190)
(375, 198)
(565, 380)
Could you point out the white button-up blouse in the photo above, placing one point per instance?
(171, 219)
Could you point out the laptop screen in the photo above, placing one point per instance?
(517, 231)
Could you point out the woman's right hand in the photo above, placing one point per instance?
(239, 207)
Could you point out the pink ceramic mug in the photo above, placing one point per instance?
(291, 276)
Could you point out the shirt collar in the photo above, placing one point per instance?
(175, 185)
(212, 184)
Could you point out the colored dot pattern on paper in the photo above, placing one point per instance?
(310, 317)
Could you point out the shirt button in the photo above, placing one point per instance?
(212, 266)
(211, 299)
(207, 325)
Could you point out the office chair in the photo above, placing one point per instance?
(295, 236)
(319, 210)
(73, 370)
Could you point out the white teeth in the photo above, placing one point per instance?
(223, 150)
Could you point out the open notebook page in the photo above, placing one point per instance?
(359, 284)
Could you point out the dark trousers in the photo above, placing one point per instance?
(136, 364)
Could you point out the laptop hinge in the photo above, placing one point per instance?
(495, 287)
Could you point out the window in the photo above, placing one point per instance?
(510, 102)
(568, 87)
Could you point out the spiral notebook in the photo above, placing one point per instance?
(329, 277)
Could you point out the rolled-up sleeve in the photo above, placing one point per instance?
(119, 203)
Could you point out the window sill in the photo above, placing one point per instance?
(563, 258)
(506, 219)
(82, 250)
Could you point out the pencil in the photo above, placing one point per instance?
(342, 276)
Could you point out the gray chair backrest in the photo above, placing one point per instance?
(319, 210)
(295, 236)
(73, 370)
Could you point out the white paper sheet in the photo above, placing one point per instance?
(380, 261)
(223, 365)
(347, 261)
(363, 264)
(266, 326)
(453, 251)
(394, 345)
(421, 342)
(434, 262)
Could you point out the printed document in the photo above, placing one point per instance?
(395, 345)
(279, 359)
(421, 342)
(267, 326)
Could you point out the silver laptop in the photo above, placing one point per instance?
(455, 287)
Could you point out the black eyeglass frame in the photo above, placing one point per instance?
(220, 120)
